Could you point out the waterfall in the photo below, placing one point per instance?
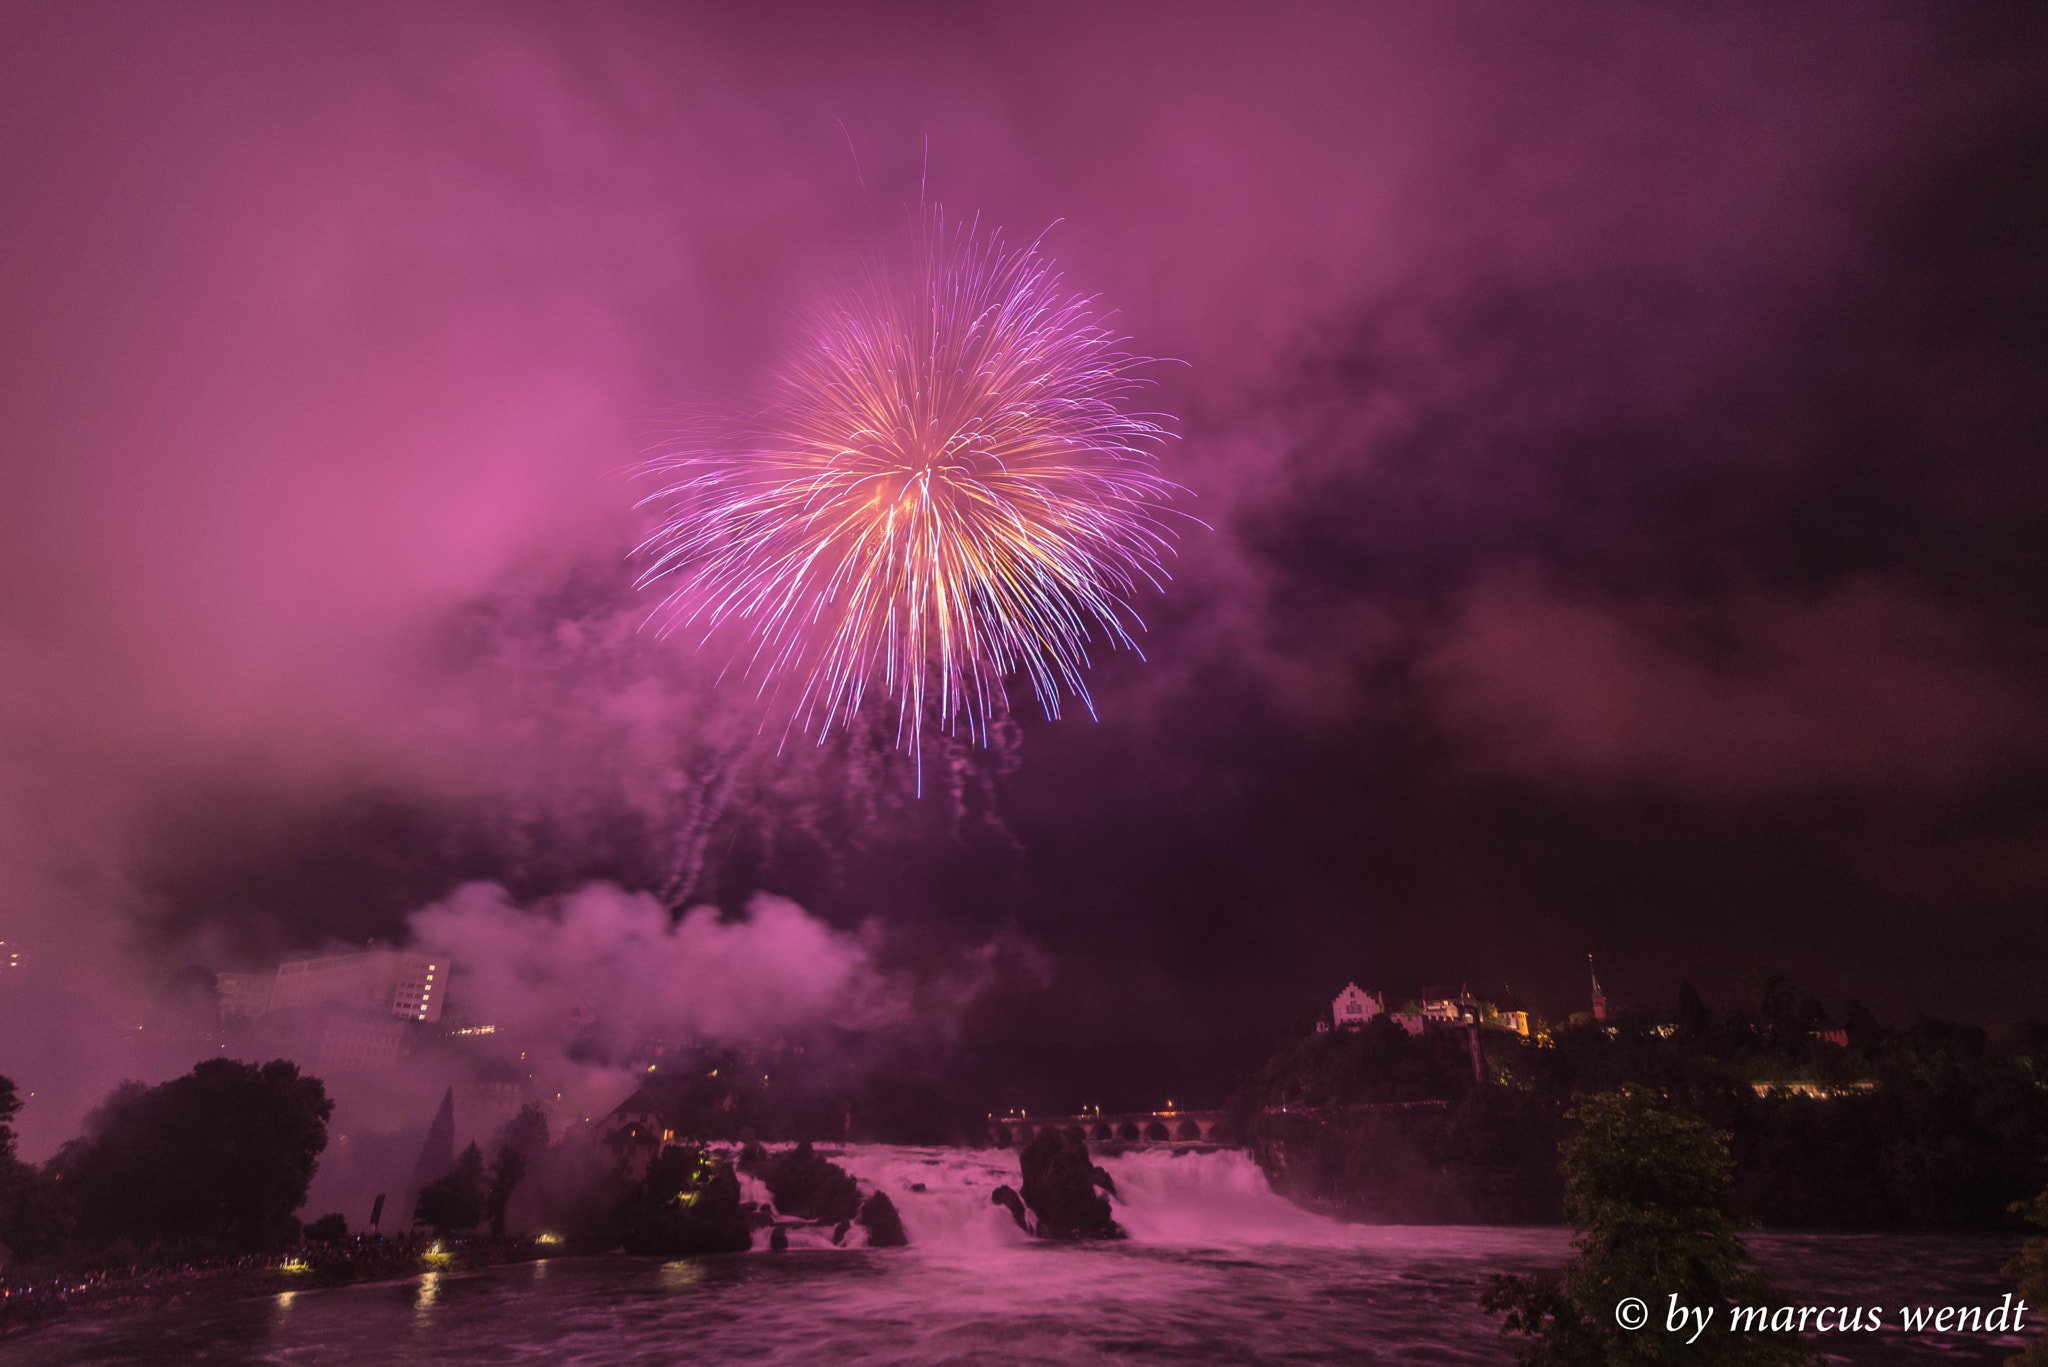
(1164, 1197)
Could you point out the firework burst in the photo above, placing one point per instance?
(945, 494)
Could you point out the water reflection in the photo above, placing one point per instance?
(681, 1273)
(429, 1292)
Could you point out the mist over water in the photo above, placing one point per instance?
(1216, 1269)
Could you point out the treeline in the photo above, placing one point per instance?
(784, 1094)
(1834, 1122)
(209, 1164)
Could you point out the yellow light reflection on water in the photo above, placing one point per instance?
(429, 1292)
(681, 1273)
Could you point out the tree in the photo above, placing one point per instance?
(457, 1200)
(506, 1174)
(2030, 1265)
(526, 1132)
(1647, 1189)
(36, 1215)
(10, 1107)
(689, 1204)
(1695, 1017)
(223, 1154)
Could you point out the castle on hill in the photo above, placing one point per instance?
(1355, 1007)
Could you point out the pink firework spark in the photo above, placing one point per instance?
(945, 492)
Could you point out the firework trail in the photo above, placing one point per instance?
(946, 492)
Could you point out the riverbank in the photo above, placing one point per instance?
(33, 1295)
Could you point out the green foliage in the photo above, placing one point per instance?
(689, 1204)
(1932, 1127)
(1379, 1063)
(526, 1132)
(223, 1155)
(2030, 1265)
(724, 1093)
(10, 1107)
(36, 1215)
(1647, 1189)
(456, 1201)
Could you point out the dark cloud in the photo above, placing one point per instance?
(1865, 688)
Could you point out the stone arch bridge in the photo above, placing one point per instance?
(1134, 1128)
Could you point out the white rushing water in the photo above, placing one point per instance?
(1216, 1269)
(1166, 1198)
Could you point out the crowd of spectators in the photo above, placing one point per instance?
(24, 1302)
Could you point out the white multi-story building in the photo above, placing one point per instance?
(398, 983)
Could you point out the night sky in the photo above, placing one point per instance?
(1615, 432)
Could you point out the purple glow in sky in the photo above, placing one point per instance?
(1620, 427)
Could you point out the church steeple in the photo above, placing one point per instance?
(1599, 997)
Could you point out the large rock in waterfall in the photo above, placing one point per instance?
(1009, 1200)
(1064, 1188)
(807, 1187)
(883, 1224)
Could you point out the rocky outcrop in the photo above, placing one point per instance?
(1420, 1163)
(1063, 1188)
(807, 1187)
(884, 1226)
(1008, 1198)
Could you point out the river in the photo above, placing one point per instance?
(1217, 1270)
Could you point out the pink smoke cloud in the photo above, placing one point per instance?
(607, 953)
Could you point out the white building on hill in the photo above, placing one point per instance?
(1354, 1006)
